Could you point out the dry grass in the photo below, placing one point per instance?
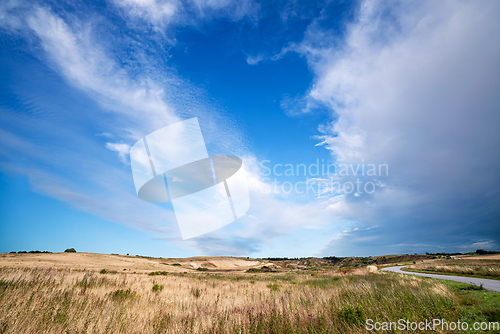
(47, 300)
(92, 261)
(466, 266)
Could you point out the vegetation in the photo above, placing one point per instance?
(157, 287)
(261, 270)
(485, 252)
(332, 300)
(31, 252)
(70, 250)
(464, 267)
(158, 273)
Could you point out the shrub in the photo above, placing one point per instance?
(202, 269)
(177, 265)
(70, 250)
(122, 294)
(157, 287)
(351, 314)
(104, 271)
(154, 273)
(273, 287)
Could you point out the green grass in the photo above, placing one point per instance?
(475, 305)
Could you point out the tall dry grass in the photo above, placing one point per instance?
(486, 268)
(66, 301)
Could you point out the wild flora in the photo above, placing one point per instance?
(122, 294)
(351, 314)
(196, 292)
(49, 301)
(483, 268)
(154, 273)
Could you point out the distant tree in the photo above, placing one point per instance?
(70, 250)
(485, 252)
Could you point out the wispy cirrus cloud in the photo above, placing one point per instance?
(163, 14)
(130, 105)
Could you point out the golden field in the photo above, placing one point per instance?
(71, 293)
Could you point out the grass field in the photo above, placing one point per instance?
(332, 300)
(472, 267)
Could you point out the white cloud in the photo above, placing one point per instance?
(415, 86)
(122, 149)
(66, 163)
(164, 13)
(86, 64)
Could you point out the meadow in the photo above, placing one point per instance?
(326, 299)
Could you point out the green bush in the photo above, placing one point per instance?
(177, 265)
(273, 287)
(157, 287)
(122, 294)
(351, 314)
(104, 271)
(202, 269)
(70, 250)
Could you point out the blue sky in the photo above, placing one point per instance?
(409, 85)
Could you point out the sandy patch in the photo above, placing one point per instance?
(233, 263)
